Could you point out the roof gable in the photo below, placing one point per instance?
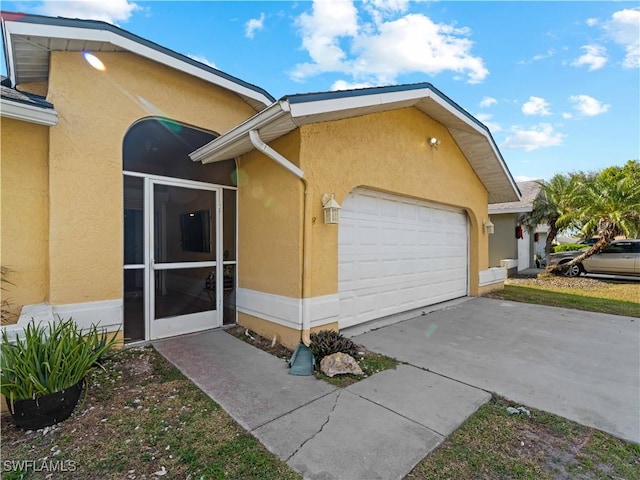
(30, 38)
(291, 112)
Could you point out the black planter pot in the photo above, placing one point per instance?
(46, 410)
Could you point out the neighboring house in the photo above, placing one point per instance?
(147, 191)
(512, 245)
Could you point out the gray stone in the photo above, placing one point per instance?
(339, 364)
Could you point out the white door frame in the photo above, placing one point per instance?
(170, 326)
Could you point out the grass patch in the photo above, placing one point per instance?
(493, 444)
(554, 298)
(143, 416)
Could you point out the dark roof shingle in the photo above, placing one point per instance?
(22, 97)
(529, 191)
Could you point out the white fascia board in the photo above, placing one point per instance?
(225, 140)
(28, 113)
(93, 35)
(359, 101)
(510, 210)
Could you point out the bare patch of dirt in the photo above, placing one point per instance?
(558, 281)
(252, 338)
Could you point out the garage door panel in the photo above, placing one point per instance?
(397, 254)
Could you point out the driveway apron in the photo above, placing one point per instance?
(580, 365)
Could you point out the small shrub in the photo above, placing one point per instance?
(50, 358)
(569, 247)
(327, 342)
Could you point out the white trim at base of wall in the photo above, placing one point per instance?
(491, 276)
(287, 311)
(105, 314)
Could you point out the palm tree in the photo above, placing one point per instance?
(609, 208)
(556, 205)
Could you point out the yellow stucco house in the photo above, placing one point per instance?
(149, 192)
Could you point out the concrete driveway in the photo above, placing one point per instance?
(580, 365)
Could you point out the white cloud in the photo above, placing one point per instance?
(253, 25)
(338, 40)
(486, 102)
(388, 5)
(321, 33)
(624, 29)
(344, 85)
(549, 53)
(486, 119)
(110, 11)
(567, 115)
(591, 21)
(541, 56)
(595, 57)
(538, 136)
(202, 59)
(588, 106)
(536, 106)
(381, 9)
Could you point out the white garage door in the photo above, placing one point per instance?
(396, 254)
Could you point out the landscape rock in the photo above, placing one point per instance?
(339, 364)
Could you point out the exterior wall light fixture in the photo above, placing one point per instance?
(331, 208)
(434, 142)
(489, 227)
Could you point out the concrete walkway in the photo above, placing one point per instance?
(380, 427)
(580, 365)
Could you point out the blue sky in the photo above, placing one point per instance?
(558, 83)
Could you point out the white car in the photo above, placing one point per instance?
(622, 257)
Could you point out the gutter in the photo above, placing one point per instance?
(28, 113)
(267, 116)
(257, 142)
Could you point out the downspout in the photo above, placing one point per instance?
(257, 142)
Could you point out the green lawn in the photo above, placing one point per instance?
(142, 419)
(559, 298)
(491, 444)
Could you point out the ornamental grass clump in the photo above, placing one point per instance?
(49, 358)
(327, 342)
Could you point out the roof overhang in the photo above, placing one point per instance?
(28, 113)
(500, 211)
(29, 39)
(289, 113)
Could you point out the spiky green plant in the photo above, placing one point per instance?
(49, 358)
(327, 342)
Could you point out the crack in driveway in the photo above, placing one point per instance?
(335, 404)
